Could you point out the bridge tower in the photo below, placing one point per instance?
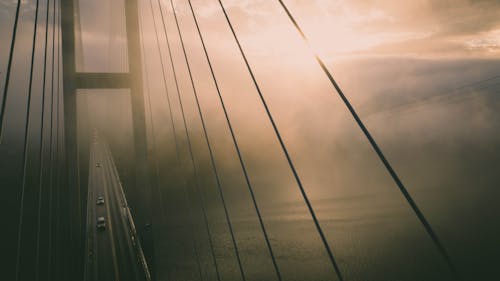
(74, 80)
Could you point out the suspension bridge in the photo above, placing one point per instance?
(85, 201)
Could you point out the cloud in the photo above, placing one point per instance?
(438, 27)
(347, 27)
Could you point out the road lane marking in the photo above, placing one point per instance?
(120, 230)
(113, 246)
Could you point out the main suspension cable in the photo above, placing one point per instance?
(254, 200)
(212, 158)
(285, 151)
(190, 148)
(41, 143)
(188, 205)
(57, 151)
(150, 107)
(52, 113)
(26, 143)
(388, 166)
(9, 68)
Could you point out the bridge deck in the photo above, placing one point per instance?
(113, 253)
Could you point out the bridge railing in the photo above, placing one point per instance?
(136, 242)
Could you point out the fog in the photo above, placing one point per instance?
(423, 76)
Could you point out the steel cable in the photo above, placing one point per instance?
(437, 242)
(57, 153)
(9, 68)
(285, 151)
(190, 211)
(190, 149)
(41, 143)
(26, 139)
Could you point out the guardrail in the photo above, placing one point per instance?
(130, 220)
(89, 241)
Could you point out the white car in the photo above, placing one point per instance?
(100, 200)
(101, 223)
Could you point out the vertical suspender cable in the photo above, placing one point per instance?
(150, 108)
(268, 243)
(55, 79)
(54, 190)
(212, 158)
(190, 148)
(26, 145)
(60, 150)
(52, 98)
(172, 121)
(9, 68)
(285, 151)
(41, 143)
(151, 120)
(164, 78)
(437, 242)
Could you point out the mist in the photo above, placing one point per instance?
(424, 78)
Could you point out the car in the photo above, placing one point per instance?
(101, 223)
(100, 200)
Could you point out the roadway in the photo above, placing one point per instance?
(112, 252)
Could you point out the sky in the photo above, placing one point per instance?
(425, 28)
